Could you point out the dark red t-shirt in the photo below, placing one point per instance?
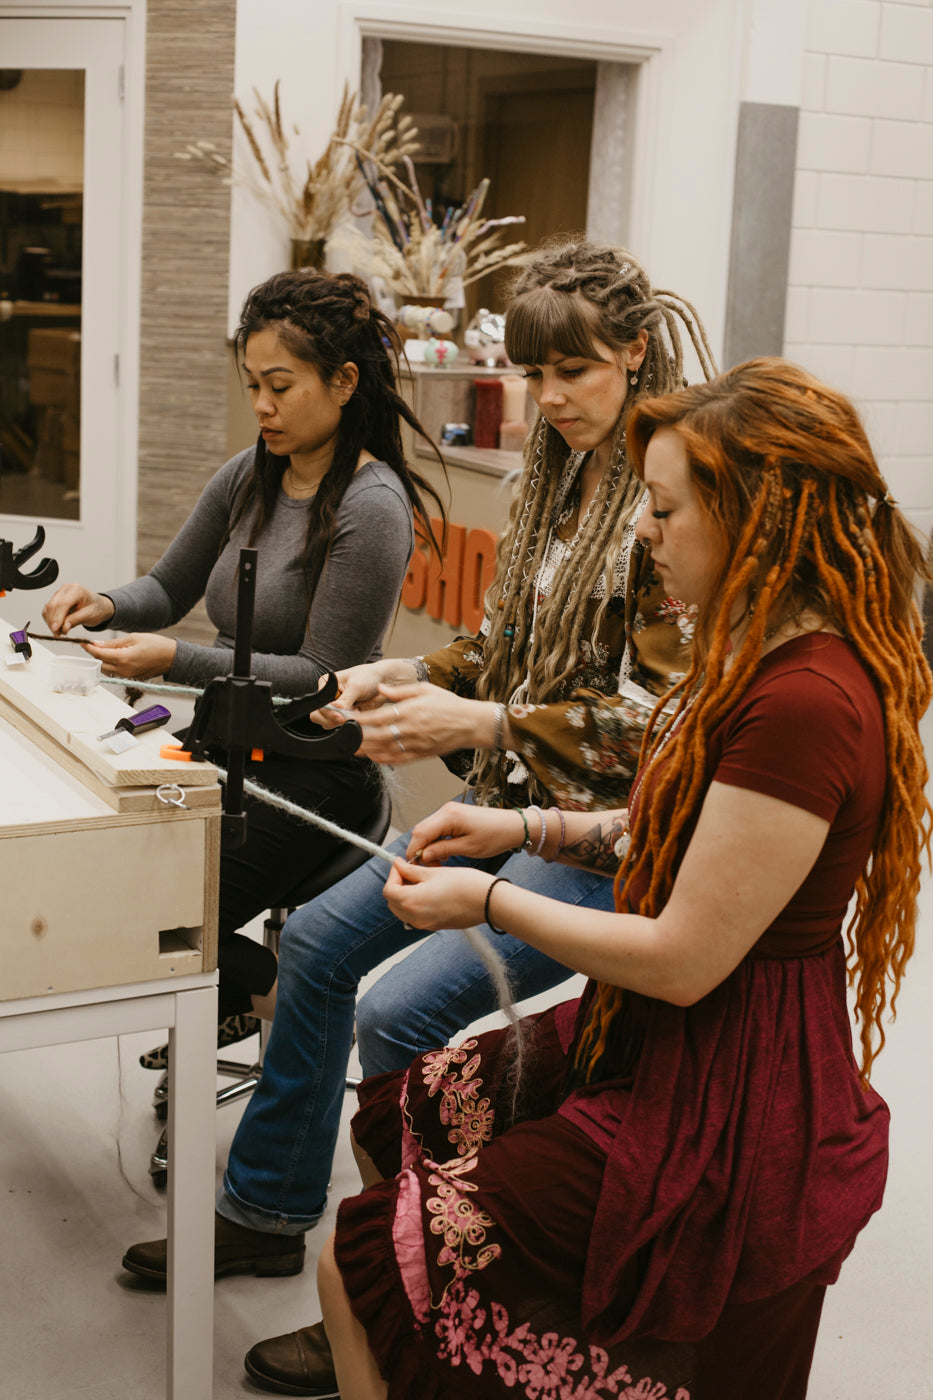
(809, 731)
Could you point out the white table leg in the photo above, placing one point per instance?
(192, 1154)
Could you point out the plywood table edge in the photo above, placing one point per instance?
(98, 762)
(210, 926)
(121, 799)
(54, 827)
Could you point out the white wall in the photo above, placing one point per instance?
(294, 42)
(687, 108)
(860, 302)
(860, 311)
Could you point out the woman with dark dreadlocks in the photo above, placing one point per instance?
(697, 1148)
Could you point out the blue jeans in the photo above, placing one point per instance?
(280, 1160)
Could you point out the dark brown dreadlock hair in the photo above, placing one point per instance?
(328, 321)
(790, 482)
(568, 297)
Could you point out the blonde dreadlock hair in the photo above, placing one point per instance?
(567, 298)
(787, 475)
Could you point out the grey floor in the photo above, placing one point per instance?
(76, 1131)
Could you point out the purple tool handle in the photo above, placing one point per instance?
(145, 719)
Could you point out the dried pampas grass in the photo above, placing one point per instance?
(313, 204)
(414, 255)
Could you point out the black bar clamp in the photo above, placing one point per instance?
(236, 713)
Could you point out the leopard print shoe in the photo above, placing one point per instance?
(229, 1031)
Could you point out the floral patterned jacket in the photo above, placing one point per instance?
(584, 748)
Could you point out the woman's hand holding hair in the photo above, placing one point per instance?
(73, 605)
(136, 656)
(460, 829)
(418, 720)
(360, 690)
(437, 898)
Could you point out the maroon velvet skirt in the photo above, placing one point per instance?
(466, 1264)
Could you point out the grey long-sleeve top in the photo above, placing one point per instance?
(352, 606)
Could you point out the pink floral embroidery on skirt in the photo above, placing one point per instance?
(545, 1367)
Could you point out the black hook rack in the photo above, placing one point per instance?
(12, 560)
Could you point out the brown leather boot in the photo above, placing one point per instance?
(297, 1363)
(237, 1250)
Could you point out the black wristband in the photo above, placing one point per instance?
(499, 880)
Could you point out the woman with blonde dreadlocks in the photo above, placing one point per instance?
(697, 1148)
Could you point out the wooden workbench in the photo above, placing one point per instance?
(108, 926)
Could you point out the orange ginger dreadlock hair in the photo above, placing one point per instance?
(789, 480)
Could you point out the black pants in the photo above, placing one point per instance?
(278, 851)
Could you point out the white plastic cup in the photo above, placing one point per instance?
(74, 675)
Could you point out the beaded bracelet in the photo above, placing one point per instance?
(487, 917)
(540, 846)
(543, 837)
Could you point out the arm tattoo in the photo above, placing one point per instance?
(596, 850)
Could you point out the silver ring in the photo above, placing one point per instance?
(172, 794)
(396, 732)
(397, 715)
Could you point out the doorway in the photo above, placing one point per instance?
(62, 290)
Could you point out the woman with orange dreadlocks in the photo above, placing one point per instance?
(659, 1207)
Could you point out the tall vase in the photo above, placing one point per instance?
(308, 252)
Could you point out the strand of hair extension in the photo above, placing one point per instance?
(352, 838)
(153, 687)
(118, 1130)
(875, 581)
(690, 740)
(525, 541)
(163, 688)
(670, 322)
(493, 964)
(695, 329)
(582, 569)
(894, 867)
(527, 496)
(707, 708)
(885, 659)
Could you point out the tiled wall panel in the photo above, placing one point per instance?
(186, 238)
(860, 301)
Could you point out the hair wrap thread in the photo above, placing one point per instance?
(490, 959)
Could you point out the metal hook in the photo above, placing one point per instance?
(172, 794)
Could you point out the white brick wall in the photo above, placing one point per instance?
(874, 88)
(860, 302)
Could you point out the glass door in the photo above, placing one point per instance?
(61, 254)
